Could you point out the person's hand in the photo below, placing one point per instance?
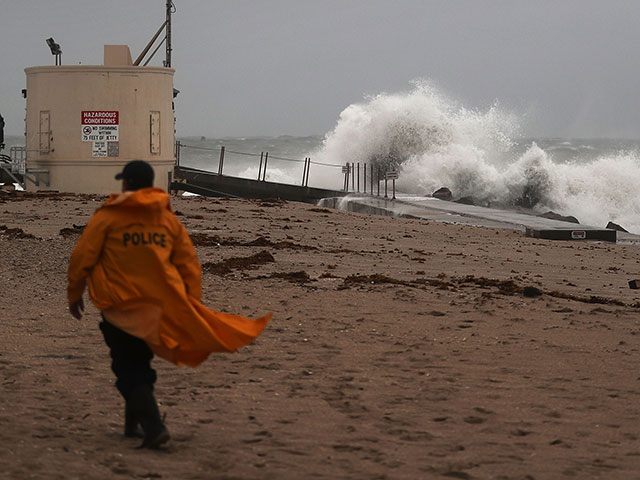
(76, 308)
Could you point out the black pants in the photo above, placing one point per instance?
(130, 359)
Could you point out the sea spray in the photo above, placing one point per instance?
(602, 190)
(434, 142)
(390, 128)
(596, 191)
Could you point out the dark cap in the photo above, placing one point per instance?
(138, 174)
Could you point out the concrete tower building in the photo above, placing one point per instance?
(85, 122)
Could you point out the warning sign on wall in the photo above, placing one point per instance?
(99, 117)
(99, 149)
(102, 127)
(100, 133)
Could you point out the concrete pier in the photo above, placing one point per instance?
(407, 206)
(429, 208)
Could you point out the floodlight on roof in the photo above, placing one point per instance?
(55, 50)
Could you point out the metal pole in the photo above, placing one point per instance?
(353, 176)
(260, 167)
(266, 159)
(346, 177)
(167, 62)
(306, 183)
(378, 180)
(149, 45)
(358, 177)
(304, 171)
(394, 189)
(178, 153)
(371, 179)
(221, 161)
(154, 52)
(364, 178)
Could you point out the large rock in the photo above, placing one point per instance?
(443, 193)
(466, 201)
(556, 216)
(615, 226)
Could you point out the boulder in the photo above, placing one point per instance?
(443, 193)
(556, 216)
(615, 226)
(466, 201)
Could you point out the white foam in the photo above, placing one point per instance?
(436, 142)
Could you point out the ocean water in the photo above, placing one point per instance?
(433, 142)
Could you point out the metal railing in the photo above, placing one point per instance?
(376, 175)
(15, 166)
(353, 172)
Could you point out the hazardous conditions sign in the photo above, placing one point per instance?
(100, 126)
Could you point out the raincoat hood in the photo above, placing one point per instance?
(154, 198)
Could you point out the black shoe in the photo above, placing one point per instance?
(131, 423)
(157, 439)
(144, 407)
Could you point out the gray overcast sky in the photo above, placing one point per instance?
(277, 67)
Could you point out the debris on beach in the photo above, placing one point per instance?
(13, 233)
(73, 230)
(204, 240)
(238, 263)
(531, 292)
(271, 202)
(293, 277)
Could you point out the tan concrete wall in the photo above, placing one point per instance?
(117, 55)
(66, 91)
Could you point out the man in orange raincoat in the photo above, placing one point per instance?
(144, 275)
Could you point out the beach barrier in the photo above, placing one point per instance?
(211, 184)
(354, 172)
(13, 169)
(262, 160)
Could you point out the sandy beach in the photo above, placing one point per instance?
(398, 349)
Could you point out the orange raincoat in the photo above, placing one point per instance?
(144, 275)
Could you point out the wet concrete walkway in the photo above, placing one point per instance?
(430, 208)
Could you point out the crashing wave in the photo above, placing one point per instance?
(435, 142)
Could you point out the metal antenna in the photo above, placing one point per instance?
(166, 26)
(171, 8)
